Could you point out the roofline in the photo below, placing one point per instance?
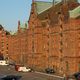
(48, 9)
(45, 10)
(43, 1)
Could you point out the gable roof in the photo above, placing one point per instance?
(54, 9)
(51, 12)
(42, 6)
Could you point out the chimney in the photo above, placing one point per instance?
(34, 7)
(53, 2)
(18, 25)
(33, 1)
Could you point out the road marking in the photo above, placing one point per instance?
(49, 74)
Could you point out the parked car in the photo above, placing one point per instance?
(22, 68)
(77, 75)
(11, 77)
(49, 70)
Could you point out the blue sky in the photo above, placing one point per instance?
(13, 10)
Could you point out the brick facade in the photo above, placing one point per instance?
(3, 42)
(44, 45)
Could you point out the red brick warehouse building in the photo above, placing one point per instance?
(3, 43)
(52, 38)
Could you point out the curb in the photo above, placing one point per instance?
(49, 75)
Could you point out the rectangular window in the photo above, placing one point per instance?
(67, 66)
(61, 43)
(61, 34)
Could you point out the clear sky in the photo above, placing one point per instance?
(13, 10)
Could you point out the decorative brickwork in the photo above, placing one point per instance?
(48, 43)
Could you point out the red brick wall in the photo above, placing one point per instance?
(3, 42)
(40, 46)
(43, 47)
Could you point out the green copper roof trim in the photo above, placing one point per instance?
(42, 6)
(75, 13)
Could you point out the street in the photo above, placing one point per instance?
(9, 70)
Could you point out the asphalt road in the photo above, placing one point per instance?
(9, 70)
